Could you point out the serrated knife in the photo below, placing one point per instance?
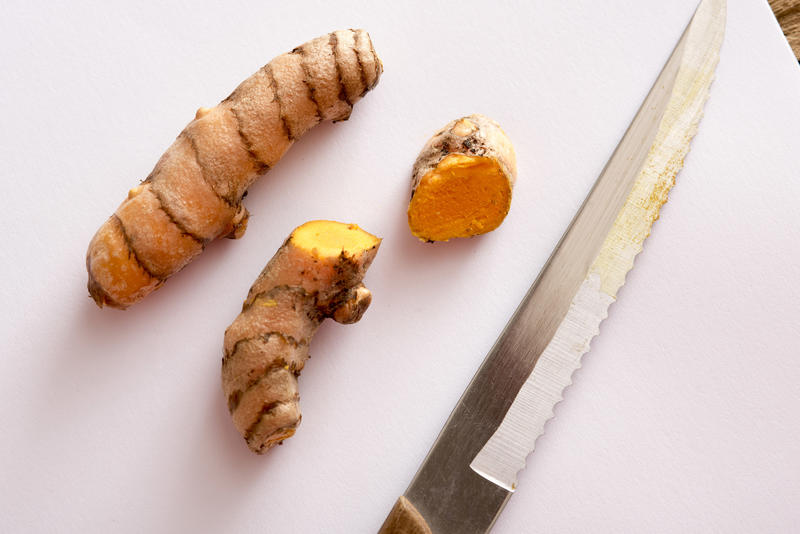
(470, 472)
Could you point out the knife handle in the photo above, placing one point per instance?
(404, 519)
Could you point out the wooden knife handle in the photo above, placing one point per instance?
(404, 519)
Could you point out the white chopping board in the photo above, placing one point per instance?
(684, 417)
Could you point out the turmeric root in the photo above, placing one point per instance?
(462, 181)
(317, 273)
(194, 193)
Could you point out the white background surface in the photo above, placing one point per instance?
(684, 417)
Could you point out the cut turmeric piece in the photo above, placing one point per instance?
(316, 274)
(462, 181)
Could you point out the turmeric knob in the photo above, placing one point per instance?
(462, 181)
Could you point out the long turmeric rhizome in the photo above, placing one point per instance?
(194, 194)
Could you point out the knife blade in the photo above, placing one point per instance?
(470, 472)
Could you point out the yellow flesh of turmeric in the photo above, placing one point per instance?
(329, 238)
(463, 196)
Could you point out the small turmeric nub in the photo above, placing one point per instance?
(462, 181)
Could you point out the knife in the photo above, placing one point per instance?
(470, 472)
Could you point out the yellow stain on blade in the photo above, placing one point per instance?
(651, 188)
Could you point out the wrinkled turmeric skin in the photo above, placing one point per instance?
(462, 181)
